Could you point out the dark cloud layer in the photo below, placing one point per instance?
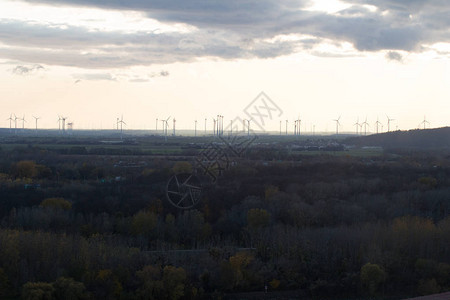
(228, 30)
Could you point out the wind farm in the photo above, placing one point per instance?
(218, 127)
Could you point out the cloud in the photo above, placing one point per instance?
(26, 70)
(94, 76)
(131, 77)
(393, 55)
(227, 30)
(162, 73)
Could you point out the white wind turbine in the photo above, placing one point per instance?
(389, 122)
(365, 126)
(337, 124)
(121, 122)
(36, 121)
(377, 124)
(166, 126)
(357, 125)
(23, 122)
(424, 122)
(10, 119)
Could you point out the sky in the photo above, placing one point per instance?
(142, 60)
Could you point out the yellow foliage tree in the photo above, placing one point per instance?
(25, 169)
(372, 275)
(270, 191)
(143, 223)
(258, 218)
(37, 291)
(182, 167)
(56, 203)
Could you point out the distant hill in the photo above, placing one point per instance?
(418, 138)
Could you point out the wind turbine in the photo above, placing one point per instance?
(365, 126)
(36, 119)
(248, 127)
(389, 122)
(174, 121)
(156, 125)
(23, 122)
(280, 126)
(205, 124)
(163, 124)
(357, 125)
(337, 124)
(166, 125)
(195, 128)
(15, 123)
(286, 125)
(10, 120)
(64, 124)
(424, 122)
(214, 126)
(377, 123)
(121, 122)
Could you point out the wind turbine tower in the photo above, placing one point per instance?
(64, 124)
(174, 121)
(36, 120)
(337, 124)
(377, 124)
(23, 122)
(357, 125)
(122, 122)
(195, 128)
(365, 126)
(166, 124)
(10, 120)
(389, 122)
(424, 122)
(15, 123)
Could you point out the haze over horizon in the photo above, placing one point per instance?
(317, 60)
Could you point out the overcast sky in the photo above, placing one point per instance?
(94, 61)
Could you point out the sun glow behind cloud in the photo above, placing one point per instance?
(328, 6)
